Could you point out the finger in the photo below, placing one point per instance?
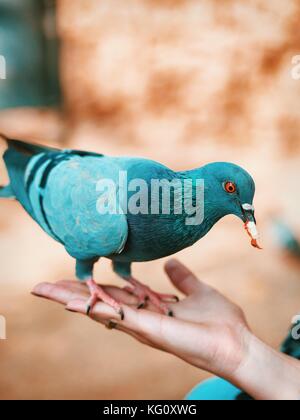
(121, 295)
(163, 332)
(100, 312)
(182, 278)
(72, 283)
(56, 293)
(159, 331)
(115, 292)
(117, 326)
(149, 328)
(137, 337)
(144, 323)
(179, 338)
(122, 329)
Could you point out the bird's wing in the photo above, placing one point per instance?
(71, 207)
(58, 189)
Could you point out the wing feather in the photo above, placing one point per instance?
(70, 203)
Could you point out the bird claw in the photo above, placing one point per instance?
(142, 305)
(111, 325)
(98, 294)
(146, 295)
(121, 313)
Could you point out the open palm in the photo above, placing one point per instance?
(207, 330)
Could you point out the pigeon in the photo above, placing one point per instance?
(63, 191)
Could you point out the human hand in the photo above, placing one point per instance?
(207, 331)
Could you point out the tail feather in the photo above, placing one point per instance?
(17, 157)
(28, 149)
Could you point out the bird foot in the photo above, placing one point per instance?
(98, 294)
(145, 294)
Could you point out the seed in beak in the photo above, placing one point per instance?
(255, 244)
(253, 233)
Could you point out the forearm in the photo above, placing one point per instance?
(266, 374)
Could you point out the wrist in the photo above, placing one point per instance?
(266, 374)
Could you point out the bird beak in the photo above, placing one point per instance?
(250, 224)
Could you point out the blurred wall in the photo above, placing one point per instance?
(183, 69)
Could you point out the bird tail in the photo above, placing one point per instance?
(16, 157)
(25, 148)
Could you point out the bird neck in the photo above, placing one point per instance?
(207, 213)
(193, 174)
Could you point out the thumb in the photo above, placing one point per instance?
(182, 278)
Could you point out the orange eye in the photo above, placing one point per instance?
(230, 187)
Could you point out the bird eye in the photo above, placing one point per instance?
(230, 187)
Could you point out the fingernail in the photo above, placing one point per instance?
(71, 307)
(172, 263)
(35, 291)
(70, 310)
(35, 294)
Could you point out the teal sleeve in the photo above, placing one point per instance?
(215, 389)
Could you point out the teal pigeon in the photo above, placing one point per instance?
(64, 192)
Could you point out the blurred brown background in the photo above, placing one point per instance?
(184, 82)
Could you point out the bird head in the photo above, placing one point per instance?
(230, 190)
